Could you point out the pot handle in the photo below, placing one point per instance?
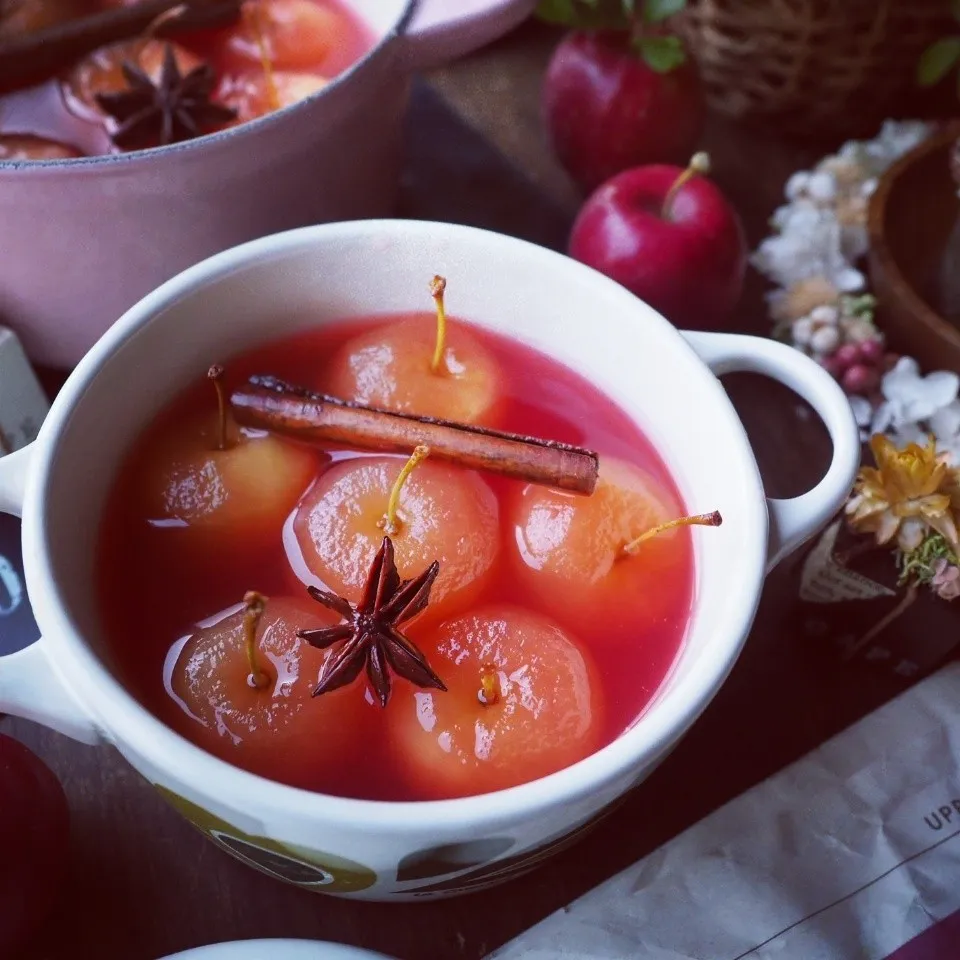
(794, 520)
(30, 687)
(440, 31)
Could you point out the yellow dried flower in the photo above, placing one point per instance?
(905, 496)
(848, 174)
(852, 211)
(801, 297)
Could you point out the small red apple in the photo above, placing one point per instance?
(34, 838)
(606, 110)
(669, 236)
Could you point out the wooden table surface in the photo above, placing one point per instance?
(143, 884)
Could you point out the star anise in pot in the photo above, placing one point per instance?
(370, 631)
(170, 109)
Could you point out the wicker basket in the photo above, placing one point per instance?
(812, 66)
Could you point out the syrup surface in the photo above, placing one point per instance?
(154, 589)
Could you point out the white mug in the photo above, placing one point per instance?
(664, 379)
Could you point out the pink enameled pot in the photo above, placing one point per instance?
(82, 240)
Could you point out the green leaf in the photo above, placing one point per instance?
(661, 54)
(655, 11)
(938, 60)
(556, 11)
(584, 14)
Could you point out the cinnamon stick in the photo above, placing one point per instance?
(270, 404)
(31, 58)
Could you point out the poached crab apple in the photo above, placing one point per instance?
(291, 34)
(102, 71)
(418, 367)
(521, 702)
(245, 684)
(207, 474)
(431, 511)
(34, 835)
(255, 95)
(34, 148)
(621, 550)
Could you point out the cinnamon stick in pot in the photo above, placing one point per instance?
(267, 403)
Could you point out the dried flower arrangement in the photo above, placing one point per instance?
(898, 535)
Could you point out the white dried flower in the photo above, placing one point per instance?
(863, 414)
(822, 187)
(825, 340)
(910, 399)
(809, 246)
(945, 426)
(825, 314)
(801, 331)
(796, 186)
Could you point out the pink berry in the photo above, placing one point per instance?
(847, 355)
(871, 351)
(831, 366)
(860, 379)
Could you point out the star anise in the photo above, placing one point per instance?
(175, 107)
(371, 632)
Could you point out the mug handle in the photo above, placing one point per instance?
(30, 686)
(439, 31)
(794, 520)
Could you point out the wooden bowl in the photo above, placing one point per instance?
(914, 233)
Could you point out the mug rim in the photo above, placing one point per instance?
(111, 161)
(108, 701)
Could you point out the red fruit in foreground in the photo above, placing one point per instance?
(521, 703)
(34, 838)
(606, 110)
(683, 252)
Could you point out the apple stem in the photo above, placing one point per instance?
(700, 520)
(490, 690)
(438, 286)
(149, 31)
(390, 521)
(252, 14)
(215, 373)
(254, 604)
(699, 164)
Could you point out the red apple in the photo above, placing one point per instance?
(606, 110)
(34, 837)
(669, 236)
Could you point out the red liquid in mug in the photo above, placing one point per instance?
(158, 581)
(307, 41)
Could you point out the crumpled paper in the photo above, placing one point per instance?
(852, 852)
